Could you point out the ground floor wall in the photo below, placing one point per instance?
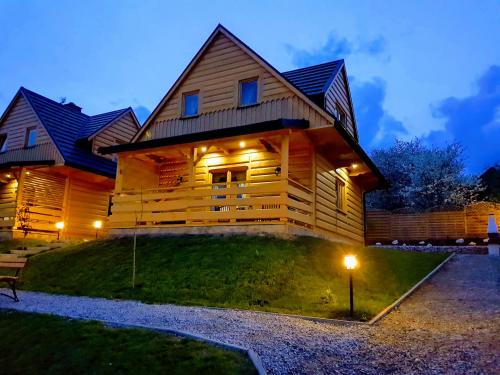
(47, 196)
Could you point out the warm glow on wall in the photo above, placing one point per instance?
(242, 144)
(354, 165)
(60, 225)
(8, 175)
(204, 149)
(98, 224)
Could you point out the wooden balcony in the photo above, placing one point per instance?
(45, 152)
(275, 201)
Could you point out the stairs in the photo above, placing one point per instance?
(39, 249)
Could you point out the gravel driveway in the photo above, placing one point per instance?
(450, 325)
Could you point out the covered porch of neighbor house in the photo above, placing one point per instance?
(261, 179)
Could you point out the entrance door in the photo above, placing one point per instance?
(225, 179)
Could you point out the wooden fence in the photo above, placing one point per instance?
(470, 222)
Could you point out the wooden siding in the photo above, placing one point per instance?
(20, 118)
(216, 76)
(85, 204)
(41, 152)
(470, 222)
(8, 198)
(120, 132)
(346, 222)
(337, 95)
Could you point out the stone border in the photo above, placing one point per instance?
(401, 299)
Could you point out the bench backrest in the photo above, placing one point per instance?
(12, 261)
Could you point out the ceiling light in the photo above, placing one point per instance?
(242, 144)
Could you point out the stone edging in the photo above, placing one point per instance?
(401, 299)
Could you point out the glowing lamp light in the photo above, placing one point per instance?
(350, 262)
(98, 224)
(60, 225)
(8, 175)
(204, 149)
(354, 165)
(242, 144)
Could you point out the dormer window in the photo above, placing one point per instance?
(190, 104)
(3, 142)
(248, 92)
(31, 135)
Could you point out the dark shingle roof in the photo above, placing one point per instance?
(66, 126)
(315, 79)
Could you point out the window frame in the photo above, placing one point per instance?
(340, 191)
(27, 137)
(240, 91)
(183, 104)
(341, 113)
(3, 145)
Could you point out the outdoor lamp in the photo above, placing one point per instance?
(277, 171)
(350, 263)
(242, 144)
(97, 226)
(59, 227)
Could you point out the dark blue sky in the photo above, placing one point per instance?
(428, 68)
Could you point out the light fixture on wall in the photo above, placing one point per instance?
(277, 171)
(8, 175)
(203, 149)
(242, 144)
(180, 179)
(354, 165)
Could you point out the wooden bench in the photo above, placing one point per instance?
(14, 263)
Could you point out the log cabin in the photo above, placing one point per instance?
(236, 146)
(50, 168)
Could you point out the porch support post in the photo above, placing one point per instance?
(285, 147)
(313, 185)
(191, 166)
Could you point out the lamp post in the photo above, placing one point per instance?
(59, 227)
(350, 263)
(97, 226)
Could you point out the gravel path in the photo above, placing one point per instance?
(450, 325)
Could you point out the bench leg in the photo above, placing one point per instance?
(12, 286)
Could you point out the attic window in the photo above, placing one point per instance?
(190, 104)
(3, 142)
(31, 135)
(248, 92)
(341, 114)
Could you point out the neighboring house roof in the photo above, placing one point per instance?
(316, 79)
(66, 125)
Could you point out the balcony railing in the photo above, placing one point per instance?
(235, 203)
(40, 152)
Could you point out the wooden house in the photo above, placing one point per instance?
(236, 146)
(51, 169)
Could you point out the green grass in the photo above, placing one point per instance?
(303, 276)
(6, 246)
(42, 344)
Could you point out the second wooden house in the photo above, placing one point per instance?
(50, 169)
(236, 146)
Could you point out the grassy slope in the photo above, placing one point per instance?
(35, 344)
(304, 276)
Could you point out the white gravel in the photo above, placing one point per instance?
(450, 325)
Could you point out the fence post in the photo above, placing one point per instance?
(493, 242)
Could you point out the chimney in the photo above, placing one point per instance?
(73, 107)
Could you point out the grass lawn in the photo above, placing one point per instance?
(42, 344)
(304, 276)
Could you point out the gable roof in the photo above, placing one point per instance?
(315, 79)
(261, 61)
(66, 125)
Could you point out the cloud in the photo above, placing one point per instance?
(142, 113)
(473, 121)
(336, 48)
(376, 127)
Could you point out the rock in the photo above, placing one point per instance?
(421, 243)
(378, 244)
(460, 241)
(429, 245)
(485, 240)
(404, 245)
(395, 242)
(472, 243)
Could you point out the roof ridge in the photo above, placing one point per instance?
(61, 105)
(314, 66)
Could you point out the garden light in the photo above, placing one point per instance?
(97, 226)
(59, 227)
(350, 263)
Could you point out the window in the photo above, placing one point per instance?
(31, 134)
(248, 92)
(340, 189)
(190, 104)
(341, 114)
(3, 142)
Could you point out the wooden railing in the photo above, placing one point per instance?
(234, 203)
(43, 151)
